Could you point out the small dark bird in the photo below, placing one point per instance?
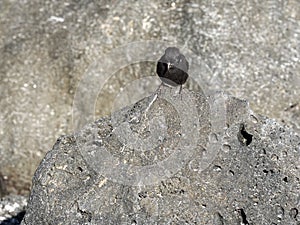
(172, 67)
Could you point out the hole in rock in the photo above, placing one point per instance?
(243, 136)
(243, 216)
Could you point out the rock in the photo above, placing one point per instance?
(252, 49)
(172, 159)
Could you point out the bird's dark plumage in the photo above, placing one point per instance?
(172, 67)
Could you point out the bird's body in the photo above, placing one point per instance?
(172, 67)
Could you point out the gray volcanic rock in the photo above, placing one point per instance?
(172, 159)
(251, 47)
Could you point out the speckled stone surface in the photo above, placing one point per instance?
(251, 48)
(245, 172)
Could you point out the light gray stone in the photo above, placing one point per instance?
(222, 165)
(251, 48)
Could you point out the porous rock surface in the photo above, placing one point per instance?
(251, 47)
(245, 172)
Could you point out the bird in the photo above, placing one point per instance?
(172, 68)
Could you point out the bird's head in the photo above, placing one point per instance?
(174, 59)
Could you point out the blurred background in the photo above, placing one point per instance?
(251, 47)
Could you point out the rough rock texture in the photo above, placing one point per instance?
(251, 47)
(221, 165)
